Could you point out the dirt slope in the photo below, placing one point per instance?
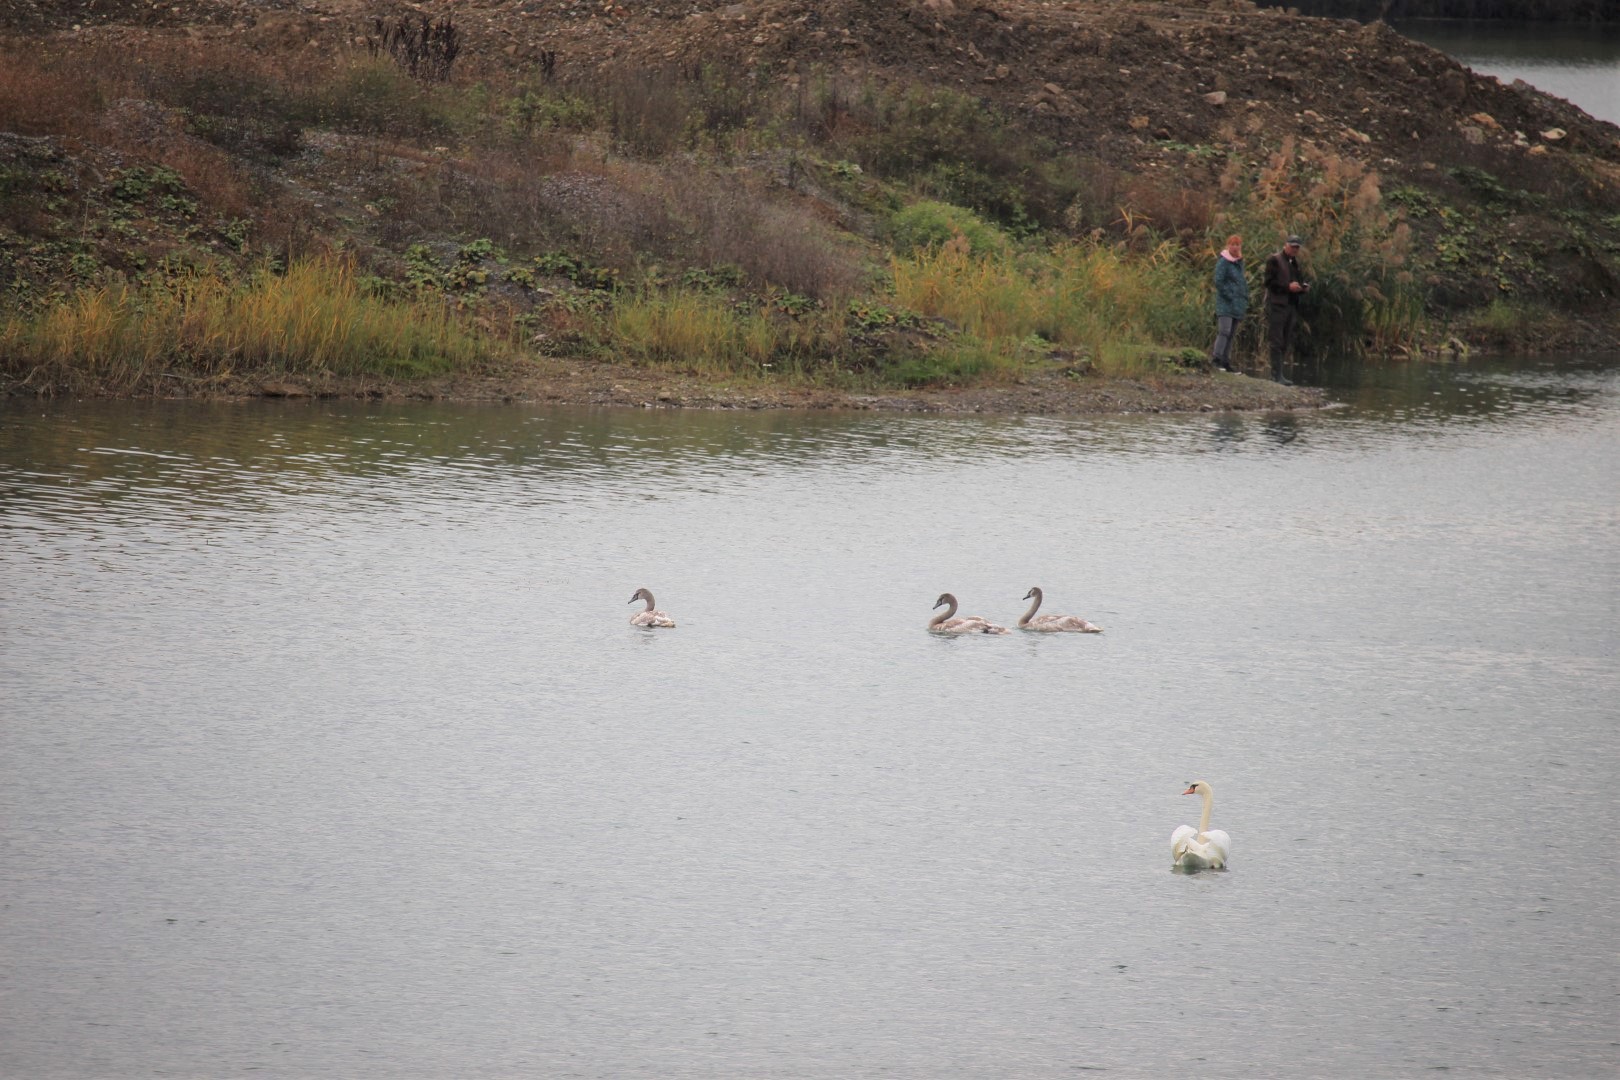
(1112, 77)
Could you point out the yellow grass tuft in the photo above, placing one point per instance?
(314, 319)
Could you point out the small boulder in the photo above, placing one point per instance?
(1452, 86)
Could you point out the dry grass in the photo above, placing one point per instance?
(84, 95)
(776, 240)
(47, 92)
(314, 319)
(1116, 305)
(694, 330)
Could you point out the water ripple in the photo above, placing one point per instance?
(344, 697)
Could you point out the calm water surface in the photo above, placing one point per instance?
(328, 751)
(1577, 62)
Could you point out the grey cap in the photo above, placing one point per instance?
(1295, 241)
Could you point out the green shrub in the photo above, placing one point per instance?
(929, 224)
(950, 365)
(532, 110)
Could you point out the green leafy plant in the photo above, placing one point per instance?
(872, 315)
(793, 305)
(928, 224)
(137, 184)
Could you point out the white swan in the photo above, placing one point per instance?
(1202, 848)
(945, 623)
(648, 616)
(1073, 624)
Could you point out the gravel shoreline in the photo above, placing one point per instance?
(618, 385)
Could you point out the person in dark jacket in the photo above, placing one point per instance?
(1284, 286)
(1231, 300)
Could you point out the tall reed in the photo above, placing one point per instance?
(314, 319)
(1078, 295)
(695, 330)
(1363, 294)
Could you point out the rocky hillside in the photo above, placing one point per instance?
(1160, 109)
(1528, 10)
(1113, 78)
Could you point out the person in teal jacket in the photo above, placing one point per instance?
(1231, 300)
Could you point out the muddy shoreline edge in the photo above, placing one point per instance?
(1049, 393)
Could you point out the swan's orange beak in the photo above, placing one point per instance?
(1190, 791)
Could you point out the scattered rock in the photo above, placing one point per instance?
(1452, 86)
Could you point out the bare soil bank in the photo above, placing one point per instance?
(574, 382)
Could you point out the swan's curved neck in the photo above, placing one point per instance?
(648, 597)
(1033, 608)
(1203, 819)
(950, 609)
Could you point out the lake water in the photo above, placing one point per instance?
(1577, 62)
(328, 749)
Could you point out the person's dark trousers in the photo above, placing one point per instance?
(1221, 352)
(1280, 321)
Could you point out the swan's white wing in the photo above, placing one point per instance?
(1073, 624)
(1192, 851)
(1080, 626)
(969, 624)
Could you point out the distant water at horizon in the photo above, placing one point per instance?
(1577, 62)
